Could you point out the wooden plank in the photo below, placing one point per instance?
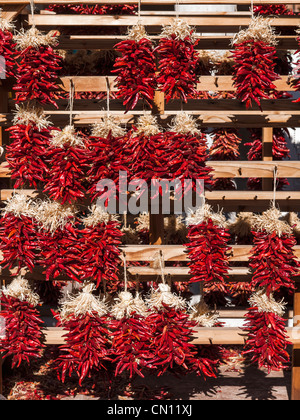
(215, 23)
(4, 171)
(267, 155)
(11, 11)
(245, 169)
(218, 42)
(207, 83)
(178, 252)
(202, 336)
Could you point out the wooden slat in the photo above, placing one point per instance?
(245, 169)
(215, 23)
(103, 42)
(11, 11)
(207, 83)
(203, 336)
(178, 252)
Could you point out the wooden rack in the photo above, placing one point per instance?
(210, 113)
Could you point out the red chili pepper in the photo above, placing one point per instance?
(112, 9)
(23, 335)
(273, 261)
(87, 347)
(254, 72)
(135, 71)
(267, 340)
(208, 251)
(273, 9)
(8, 53)
(178, 63)
(37, 75)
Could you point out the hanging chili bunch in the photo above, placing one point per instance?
(82, 9)
(272, 260)
(99, 242)
(135, 68)
(68, 161)
(27, 154)
(225, 147)
(272, 9)
(87, 338)
(187, 153)
(178, 61)
(172, 332)
(267, 338)
(147, 152)
(18, 241)
(280, 151)
(58, 239)
(254, 55)
(23, 336)
(39, 64)
(130, 335)
(208, 248)
(106, 145)
(7, 49)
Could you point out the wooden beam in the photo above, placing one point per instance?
(11, 11)
(240, 253)
(215, 23)
(295, 391)
(207, 83)
(202, 336)
(218, 42)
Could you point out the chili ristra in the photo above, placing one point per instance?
(23, 335)
(39, 65)
(135, 68)
(178, 61)
(27, 154)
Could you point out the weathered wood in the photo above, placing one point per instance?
(295, 391)
(206, 23)
(107, 42)
(178, 252)
(207, 83)
(215, 335)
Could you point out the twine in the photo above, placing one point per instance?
(275, 186)
(125, 272)
(32, 12)
(71, 100)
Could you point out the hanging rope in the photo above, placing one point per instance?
(32, 12)
(275, 186)
(107, 95)
(71, 99)
(139, 12)
(125, 271)
(161, 263)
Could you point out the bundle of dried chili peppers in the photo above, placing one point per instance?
(135, 68)
(186, 150)
(208, 247)
(87, 339)
(18, 241)
(39, 64)
(147, 152)
(68, 163)
(82, 9)
(254, 55)
(280, 151)
(22, 337)
(106, 149)
(172, 332)
(225, 146)
(7, 49)
(267, 339)
(27, 154)
(99, 243)
(178, 61)
(58, 239)
(272, 259)
(130, 333)
(272, 9)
